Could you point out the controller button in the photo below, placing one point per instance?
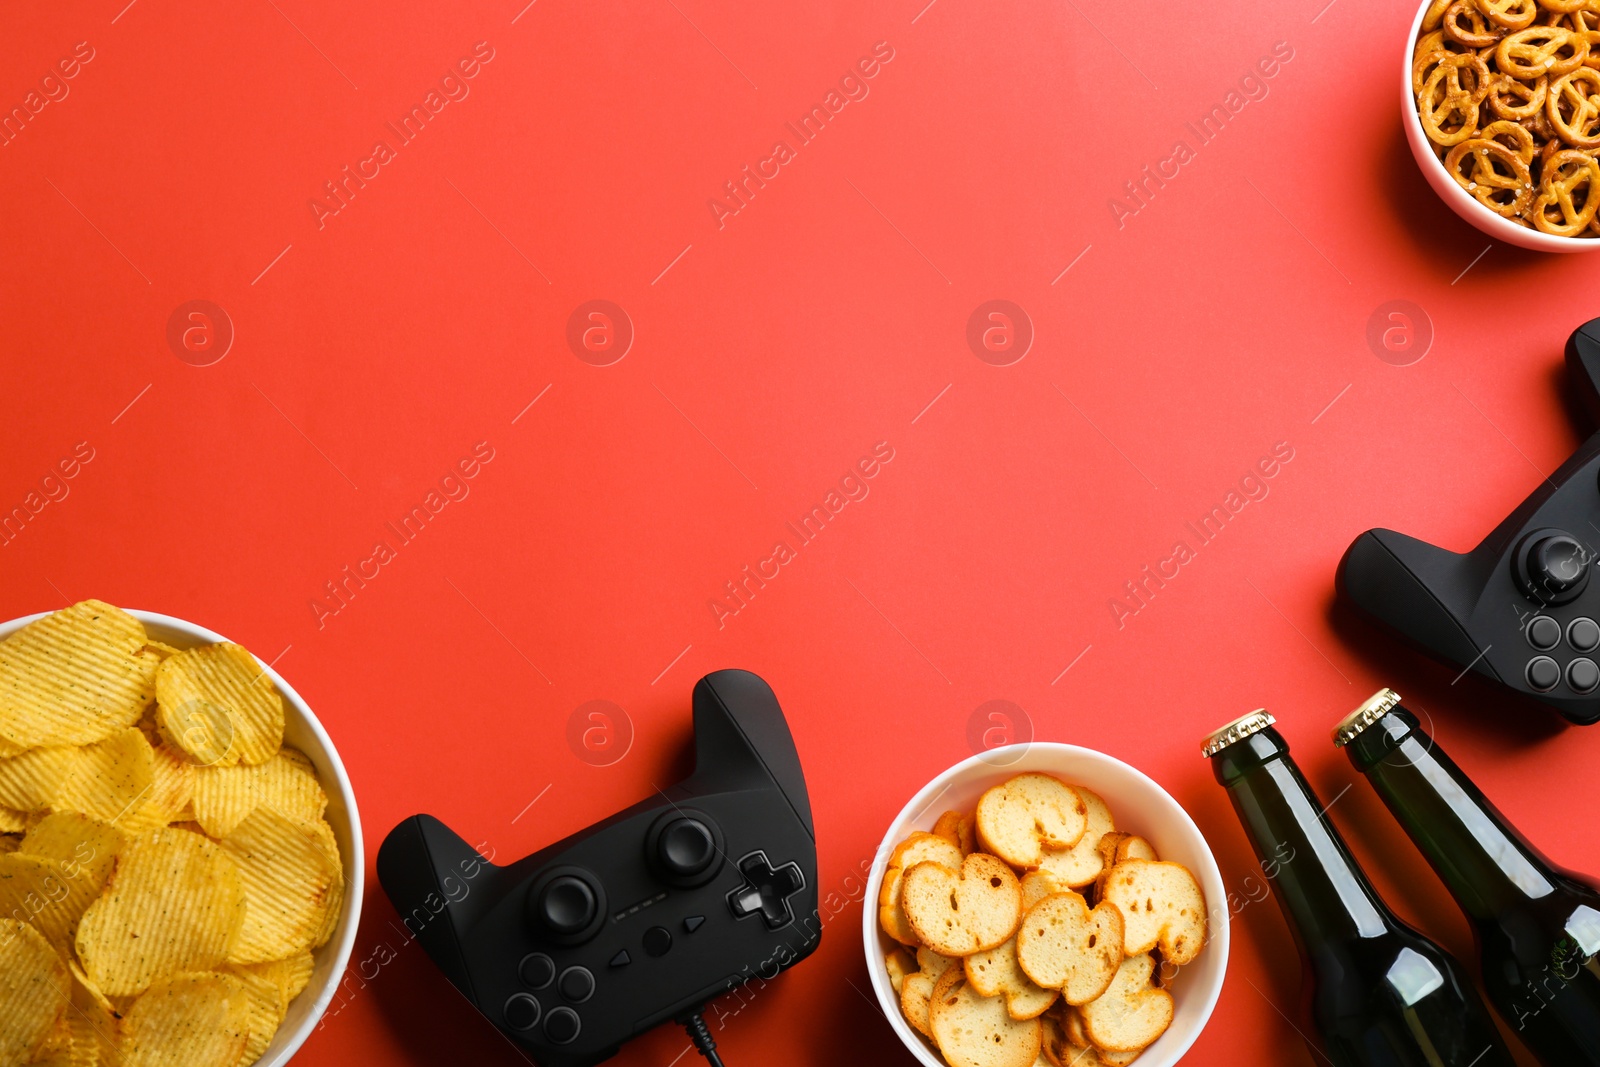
(522, 1012)
(693, 922)
(1544, 633)
(562, 1026)
(1583, 675)
(686, 847)
(567, 905)
(577, 984)
(1584, 634)
(767, 890)
(537, 970)
(621, 959)
(657, 941)
(1543, 673)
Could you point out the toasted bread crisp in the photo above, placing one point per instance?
(918, 848)
(1036, 885)
(1081, 864)
(915, 994)
(899, 963)
(1118, 846)
(916, 988)
(1162, 905)
(1025, 816)
(976, 1031)
(1064, 945)
(1132, 1013)
(1066, 1046)
(957, 913)
(995, 973)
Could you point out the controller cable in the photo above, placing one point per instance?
(700, 1034)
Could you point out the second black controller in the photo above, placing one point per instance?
(1522, 608)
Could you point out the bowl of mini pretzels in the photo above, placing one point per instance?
(1501, 105)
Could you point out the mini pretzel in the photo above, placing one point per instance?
(1513, 99)
(1464, 23)
(1497, 177)
(1449, 117)
(1563, 7)
(1510, 14)
(1573, 108)
(1464, 74)
(1435, 15)
(1540, 50)
(1514, 136)
(1570, 175)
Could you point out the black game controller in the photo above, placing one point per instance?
(641, 918)
(1521, 608)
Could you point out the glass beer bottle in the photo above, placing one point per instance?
(1377, 993)
(1537, 925)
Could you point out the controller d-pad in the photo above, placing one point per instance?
(766, 890)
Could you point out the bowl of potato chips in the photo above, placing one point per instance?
(181, 861)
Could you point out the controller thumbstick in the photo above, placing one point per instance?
(1554, 566)
(686, 847)
(1559, 563)
(566, 906)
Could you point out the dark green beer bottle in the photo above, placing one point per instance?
(1537, 925)
(1376, 992)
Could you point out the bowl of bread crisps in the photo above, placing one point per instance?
(1501, 104)
(181, 860)
(1045, 904)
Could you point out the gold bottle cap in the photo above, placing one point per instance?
(1236, 731)
(1371, 710)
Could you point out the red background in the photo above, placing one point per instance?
(373, 353)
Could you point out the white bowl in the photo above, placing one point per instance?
(1460, 201)
(304, 732)
(1139, 805)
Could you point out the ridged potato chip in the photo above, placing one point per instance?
(218, 705)
(33, 780)
(79, 843)
(33, 981)
(266, 1013)
(176, 903)
(171, 795)
(86, 1036)
(12, 821)
(109, 779)
(187, 1020)
(74, 677)
(290, 976)
(289, 878)
(46, 894)
(334, 903)
(223, 796)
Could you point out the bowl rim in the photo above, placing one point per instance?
(344, 940)
(1445, 186)
(1210, 877)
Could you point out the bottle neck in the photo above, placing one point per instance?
(1323, 893)
(1481, 858)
